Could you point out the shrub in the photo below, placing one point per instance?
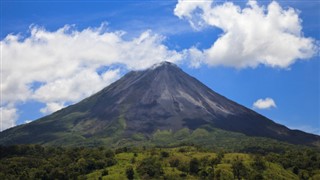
(164, 154)
(105, 172)
(174, 162)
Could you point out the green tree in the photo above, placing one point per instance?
(130, 172)
(257, 176)
(109, 154)
(304, 175)
(133, 160)
(212, 162)
(151, 167)
(205, 161)
(210, 173)
(105, 172)
(164, 154)
(203, 174)
(174, 162)
(219, 158)
(223, 174)
(258, 163)
(184, 166)
(194, 166)
(238, 168)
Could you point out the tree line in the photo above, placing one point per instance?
(38, 162)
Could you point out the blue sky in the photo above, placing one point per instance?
(149, 26)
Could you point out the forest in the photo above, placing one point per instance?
(170, 163)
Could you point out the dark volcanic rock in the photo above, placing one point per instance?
(161, 97)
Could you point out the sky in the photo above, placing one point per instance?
(261, 54)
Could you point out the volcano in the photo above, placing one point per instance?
(162, 97)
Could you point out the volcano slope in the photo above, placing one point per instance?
(162, 101)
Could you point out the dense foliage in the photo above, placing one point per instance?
(38, 162)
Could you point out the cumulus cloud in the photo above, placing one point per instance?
(193, 11)
(252, 35)
(266, 103)
(8, 117)
(71, 89)
(51, 107)
(65, 63)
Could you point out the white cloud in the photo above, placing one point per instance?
(266, 103)
(252, 35)
(65, 63)
(71, 89)
(27, 121)
(192, 10)
(51, 107)
(8, 117)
